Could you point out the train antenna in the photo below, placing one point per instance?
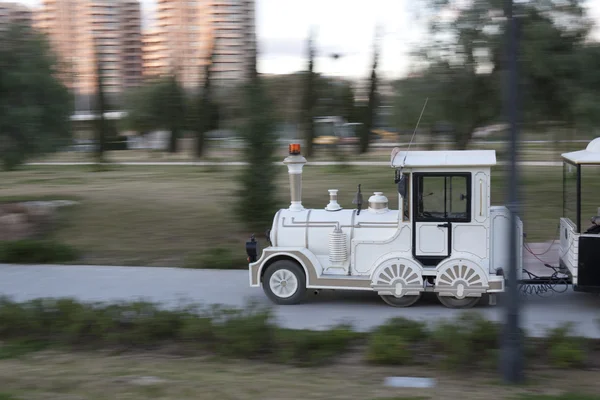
(415, 131)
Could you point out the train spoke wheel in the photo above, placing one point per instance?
(453, 302)
(404, 301)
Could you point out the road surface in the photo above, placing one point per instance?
(241, 163)
(170, 286)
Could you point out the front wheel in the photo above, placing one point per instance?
(284, 282)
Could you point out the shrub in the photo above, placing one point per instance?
(250, 333)
(313, 348)
(393, 342)
(566, 396)
(29, 251)
(244, 333)
(409, 330)
(215, 258)
(564, 350)
(463, 342)
(388, 349)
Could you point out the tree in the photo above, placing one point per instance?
(175, 111)
(100, 123)
(309, 100)
(372, 105)
(34, 105)
(256, 198)
(208, 112)
(463, 63)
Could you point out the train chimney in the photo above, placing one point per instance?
(295, 162)
(333, 203)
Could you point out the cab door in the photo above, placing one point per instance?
(440, 199)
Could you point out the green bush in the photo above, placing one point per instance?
(564, 349)
(244, 333)
(29, 251)
(409, 330)
(388, 349)
(464, 342)
(251, 333)
(313, 348)
(215, 258)
(392, 342)
(567, 396)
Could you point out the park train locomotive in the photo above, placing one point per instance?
(445, 237)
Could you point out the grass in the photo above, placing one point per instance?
(181, 215)
(60, 375)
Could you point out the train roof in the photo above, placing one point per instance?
(443, 158)
(591, 154)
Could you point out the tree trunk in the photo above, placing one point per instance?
(173, 140)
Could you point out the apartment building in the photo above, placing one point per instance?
(77, 28)
(185, 31)
(154, 51)
(11, 12)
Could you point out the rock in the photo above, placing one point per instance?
(147, 380)
(16, 231)
(30, 219)
(13, 208)
(12, 219)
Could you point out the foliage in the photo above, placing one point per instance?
(372, 106)
(101, 124)
(247, 333)
(394, 342)
(564, 350)
(238, 333)
(566, 396)
(31, 251)
(465, 341)
(175, 111)
(208, 114)
(312, 348)
(34, 105)
(216, 258)
(145, 106)
(256, 197)
(462, 67)
(158, 104)
(308, 101)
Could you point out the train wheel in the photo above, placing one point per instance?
(404, 301)
(453, 302)
(284, 282)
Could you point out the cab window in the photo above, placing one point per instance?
(443, 197)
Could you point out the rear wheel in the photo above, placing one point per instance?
(404, 301)
(284, 282)
(453, 302)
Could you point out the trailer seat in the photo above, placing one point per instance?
(595, 227)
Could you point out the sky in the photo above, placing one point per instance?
(342, 26)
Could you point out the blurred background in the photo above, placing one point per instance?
(152, 133)
(169, 99)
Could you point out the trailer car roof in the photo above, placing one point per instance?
(443, 158)
(591, 154)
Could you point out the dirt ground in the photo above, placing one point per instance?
(94, 376)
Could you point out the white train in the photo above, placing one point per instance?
(444, 237)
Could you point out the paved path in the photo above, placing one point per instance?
(365, 310)
(240, 163)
